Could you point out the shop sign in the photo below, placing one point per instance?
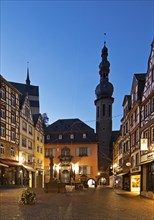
(135, 169)
(144, 144)
(147, 157)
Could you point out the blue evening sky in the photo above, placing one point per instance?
(62, 40)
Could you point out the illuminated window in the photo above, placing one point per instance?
(84, 136)
(60, 137)
(71, 136)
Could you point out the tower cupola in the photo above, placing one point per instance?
(104, 88)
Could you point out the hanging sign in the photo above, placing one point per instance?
(144, 144)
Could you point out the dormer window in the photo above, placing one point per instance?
(71, 136)
(48, 137)
(84, 136)
(60, 137)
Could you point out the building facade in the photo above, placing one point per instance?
(73, 146)
(147, 130)
(9, 133)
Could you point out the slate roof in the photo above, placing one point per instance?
(23, 88)
(35, 118)
(30, 89)
(65, 127)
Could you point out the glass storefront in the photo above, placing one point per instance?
(135, 183)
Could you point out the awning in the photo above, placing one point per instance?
(10, 163)
(28, 168)
(147, 161)
(3, 165)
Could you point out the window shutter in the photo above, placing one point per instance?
(54, 152)
(88, 151)
(88, 170)
(77, 151)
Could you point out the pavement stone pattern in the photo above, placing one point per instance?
(89, 204)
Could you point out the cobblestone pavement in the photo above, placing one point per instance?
(90, 204)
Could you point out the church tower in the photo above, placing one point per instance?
(103, 102)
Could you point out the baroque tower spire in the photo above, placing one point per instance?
(103, 102)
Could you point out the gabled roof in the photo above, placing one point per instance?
(68, 125)
(27, 89)
(126, 98)
(35, 118)
(23, 88)
(65, 127)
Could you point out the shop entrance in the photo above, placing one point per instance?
(65, 176)
(135, 183)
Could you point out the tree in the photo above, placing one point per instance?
(45, 120)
